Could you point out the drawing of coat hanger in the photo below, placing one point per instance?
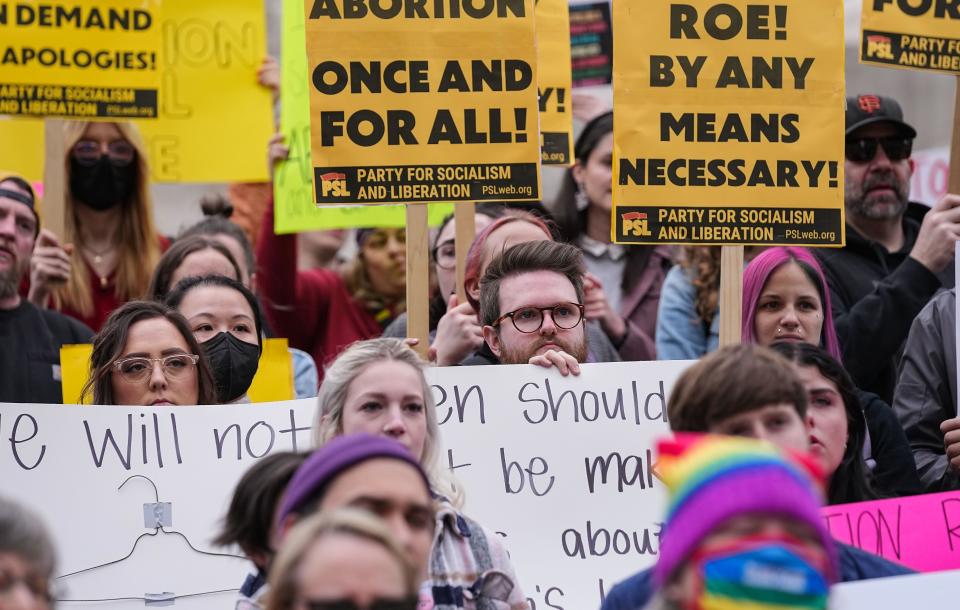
(157, 515)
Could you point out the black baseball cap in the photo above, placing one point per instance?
(867, 109)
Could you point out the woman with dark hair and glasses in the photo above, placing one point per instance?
(145, 355)
(110, 245)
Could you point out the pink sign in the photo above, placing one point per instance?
(920, 532)
(931, 171)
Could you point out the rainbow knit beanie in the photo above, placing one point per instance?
(712, 479)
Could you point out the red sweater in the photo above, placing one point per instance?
(105, 298)
(311, 308)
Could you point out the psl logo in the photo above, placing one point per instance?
(635, 223)
(333, 184)
(880, 47)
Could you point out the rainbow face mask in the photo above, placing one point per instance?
(760, 573)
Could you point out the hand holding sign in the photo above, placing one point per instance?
(49, 267)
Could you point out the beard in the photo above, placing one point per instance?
(577, 349)
(861, 202)
(10, 281)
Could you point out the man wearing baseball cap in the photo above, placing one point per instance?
(30, 338)
(898, 253)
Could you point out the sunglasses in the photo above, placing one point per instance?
(862, 150)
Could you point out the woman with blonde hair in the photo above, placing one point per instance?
(111, 242)
(378, 387)
(342, 559)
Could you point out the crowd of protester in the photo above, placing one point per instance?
(844, 388)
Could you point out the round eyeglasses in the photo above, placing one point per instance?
(530, 319)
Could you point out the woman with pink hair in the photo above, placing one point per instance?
(786, 299)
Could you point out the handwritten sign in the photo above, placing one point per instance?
(729, 122)
(560, 467)
(920, 532)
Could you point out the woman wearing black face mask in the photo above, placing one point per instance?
(111, 243)
(225, 320)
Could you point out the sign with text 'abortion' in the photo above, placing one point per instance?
(915, 34)
(416, 102)
(920, 532)
(729, 122)
(69, 58)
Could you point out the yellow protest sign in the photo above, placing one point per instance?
(728, 123)
(215, 120)
(414, 102)
(917, 34)
(554, 78)
(273, 381)
(80, 59)
(26, 158)
(296, 210)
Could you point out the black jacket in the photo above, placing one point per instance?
(927, 391)
(875, 296)
(30, 342)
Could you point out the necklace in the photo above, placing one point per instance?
(98, 260)
(98, 255)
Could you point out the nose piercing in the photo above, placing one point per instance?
(779, 331)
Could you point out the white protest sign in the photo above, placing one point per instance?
(931, 170)
(67, 463)
(932, 590)
(559, 466)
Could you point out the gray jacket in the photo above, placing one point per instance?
(926, 394)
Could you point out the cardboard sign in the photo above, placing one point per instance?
(421, 103)
(26, 158)
(296, 209)
(931, 173)
(70, 58)
(554, 81)
(920, 532)
(215, 120)
(591, 44)
(560, 467)
(729, 123)
(273, 381)
(915, 34)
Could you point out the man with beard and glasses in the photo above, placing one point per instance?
(30, 338)
(898, 253)
(531, 306)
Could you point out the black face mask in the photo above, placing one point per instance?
(102, 185)
(234, 363)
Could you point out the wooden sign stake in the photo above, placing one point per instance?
(464, 215)
(731, 294)
(418, 277)
(53, 210)
(954, 183)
